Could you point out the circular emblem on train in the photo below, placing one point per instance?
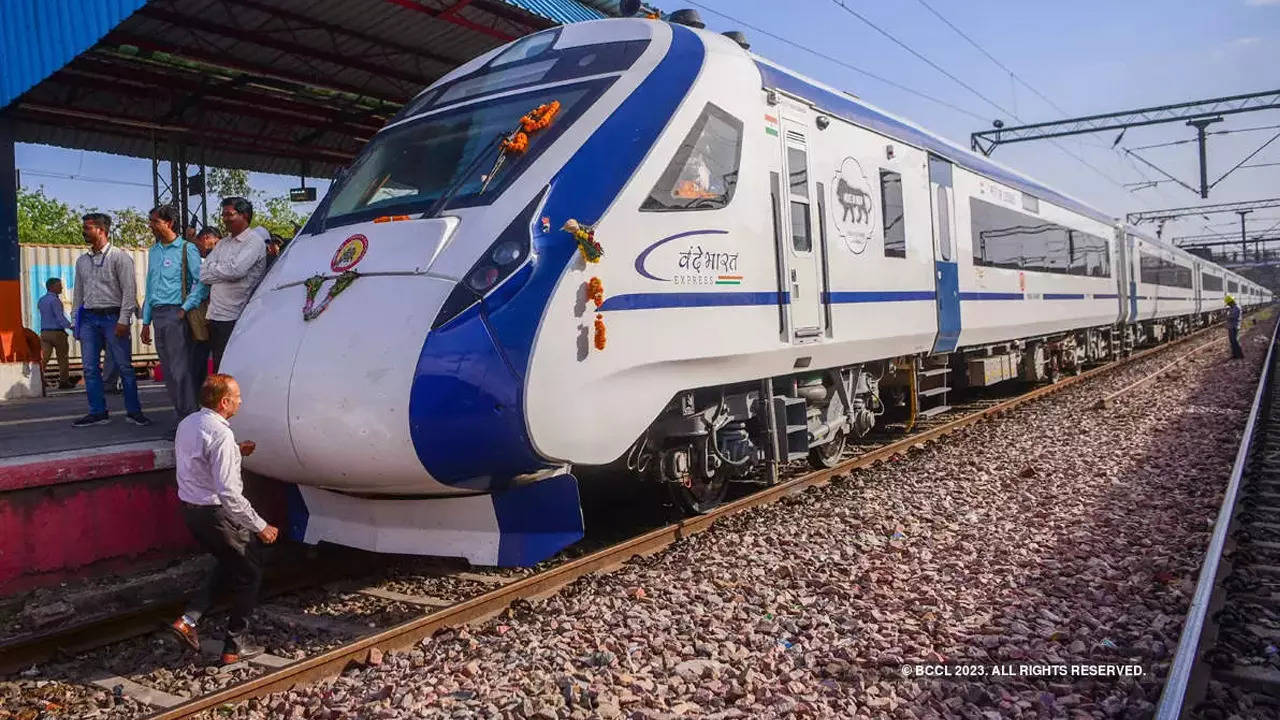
(854, 211)
(350, 252)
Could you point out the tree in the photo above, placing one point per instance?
(224, 183)
(47, 221)
(278, 216)
(129, 228)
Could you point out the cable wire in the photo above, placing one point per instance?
(841, 63)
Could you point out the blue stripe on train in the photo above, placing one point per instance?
(466, 405)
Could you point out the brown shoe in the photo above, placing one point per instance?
(241, 652)
(186, 632)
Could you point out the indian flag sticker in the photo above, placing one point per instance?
(771, 123)
(728, 279)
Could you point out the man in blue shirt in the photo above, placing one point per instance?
(53, 331)
(173, 289)
(1233, 327)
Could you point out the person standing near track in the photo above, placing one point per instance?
(232, 271)
(53, 332)
(105, 299)
(1233, 327)
(216, 512)
(173, 290)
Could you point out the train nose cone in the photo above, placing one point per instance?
(327, 398)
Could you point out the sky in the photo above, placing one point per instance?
(1086, 56)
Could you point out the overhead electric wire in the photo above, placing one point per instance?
(841, 63)
(992, 58)
(85, 178)
(967, 86)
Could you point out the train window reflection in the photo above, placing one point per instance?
(704, 171)
(409, 168)
(1009, 239)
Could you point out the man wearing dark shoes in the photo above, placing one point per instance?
(216, 512)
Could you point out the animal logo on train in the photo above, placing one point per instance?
(855, 212)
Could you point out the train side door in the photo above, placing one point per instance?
(800, 236)
(1133, 279)
(946, 269)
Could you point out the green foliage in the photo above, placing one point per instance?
(129, 229)
(46, 220)
(278, 216)
(224, 183)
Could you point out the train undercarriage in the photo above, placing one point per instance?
(707, 439)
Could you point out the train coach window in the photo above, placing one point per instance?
(1007, 238)
(1210, 283)
(893, 214)
(704, 171)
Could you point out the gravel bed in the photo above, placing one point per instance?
(55, 699)
(1056, 533)
(351, 608)
(445, 588)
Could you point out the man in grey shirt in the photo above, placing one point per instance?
(105, 299)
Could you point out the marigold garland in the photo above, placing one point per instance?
(600, 336)
(595, 291)
(537, 119)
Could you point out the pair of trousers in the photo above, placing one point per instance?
(173, 344)
(55, 341)
(219, 334)
(98, 333)
(1233, 334)
(200, 354)
(238, 571)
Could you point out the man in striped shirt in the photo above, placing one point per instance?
(105, 299)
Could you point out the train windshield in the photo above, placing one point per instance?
(410, 168)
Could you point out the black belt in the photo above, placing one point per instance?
(103, 311)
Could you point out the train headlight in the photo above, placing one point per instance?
(507, 254)
(483, 278)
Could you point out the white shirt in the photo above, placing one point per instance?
(208, 460)
(232, 271)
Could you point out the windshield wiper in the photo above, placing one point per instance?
(453, 190)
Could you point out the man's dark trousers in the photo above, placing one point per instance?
(173, 344)
(239, 569)
(1233, 334)
(219, 334)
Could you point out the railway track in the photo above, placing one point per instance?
(406, 612)
(1228, 659)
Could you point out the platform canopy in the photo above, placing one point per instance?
(280, 86)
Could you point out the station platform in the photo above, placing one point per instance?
(80, 502)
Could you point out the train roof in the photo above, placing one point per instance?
(867, 115)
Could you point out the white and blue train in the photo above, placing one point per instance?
(763, 267)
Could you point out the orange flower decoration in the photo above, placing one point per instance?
(599, 339)
(595, 291)
(517, 143)
(540, 117)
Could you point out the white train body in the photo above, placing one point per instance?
(754, 224)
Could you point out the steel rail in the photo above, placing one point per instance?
(481, 607)
(1174, 697)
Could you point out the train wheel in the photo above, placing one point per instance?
(700, 495)
(828, 454)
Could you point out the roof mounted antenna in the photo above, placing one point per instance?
(688, 17)
(739, 37)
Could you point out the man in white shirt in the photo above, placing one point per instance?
(232, 270)
(218, 515)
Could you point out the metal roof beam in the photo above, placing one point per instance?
(987, 140)
(455, 17)
(197, 24)
(306, 113)
(150, 44)
(257, 145)
(449, 63)
(249, 107)
(1235, 241)
(1172, 213)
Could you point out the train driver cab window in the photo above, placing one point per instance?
(704, 171)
